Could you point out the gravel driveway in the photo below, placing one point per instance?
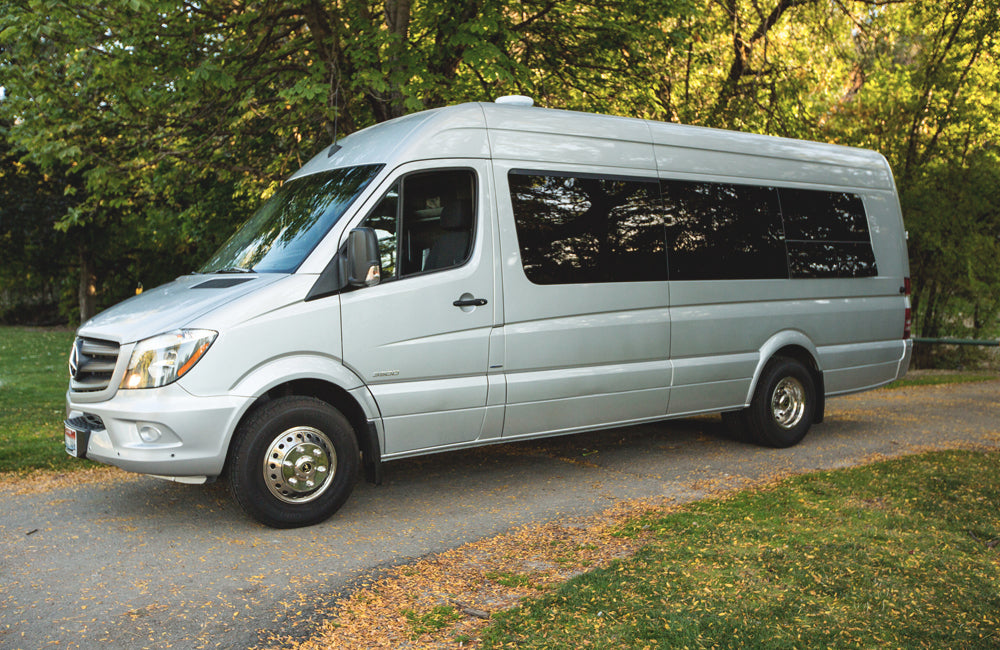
(120, 561)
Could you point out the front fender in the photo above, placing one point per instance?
(274, 372)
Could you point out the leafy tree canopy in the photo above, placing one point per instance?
(161, 123)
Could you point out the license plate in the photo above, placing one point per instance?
(72, 437)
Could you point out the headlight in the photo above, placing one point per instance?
(164, 359)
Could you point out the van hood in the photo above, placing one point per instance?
(171, 306)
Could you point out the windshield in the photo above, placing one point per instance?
(291, 223)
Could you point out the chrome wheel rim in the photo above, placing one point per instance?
(788, 402)
(299, 465)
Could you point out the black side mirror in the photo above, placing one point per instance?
(363, 265)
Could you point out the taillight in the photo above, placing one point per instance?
(906, 286)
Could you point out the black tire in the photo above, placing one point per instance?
(783, 406)
(293, 462)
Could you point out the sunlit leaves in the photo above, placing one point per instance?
(175, 117)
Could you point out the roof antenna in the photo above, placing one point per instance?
(334, 148)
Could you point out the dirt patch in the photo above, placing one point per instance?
(21, 483)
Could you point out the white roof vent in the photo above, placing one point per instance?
(515, 100)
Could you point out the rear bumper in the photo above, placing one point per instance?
(861, 366)
(904, 363)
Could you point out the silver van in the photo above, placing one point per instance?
(485, 273)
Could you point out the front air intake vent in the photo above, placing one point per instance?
(91, 365)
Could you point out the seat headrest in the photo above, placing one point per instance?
(456, 214)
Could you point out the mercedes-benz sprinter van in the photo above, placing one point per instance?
(485, 273)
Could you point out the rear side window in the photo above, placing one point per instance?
(585, 228)
(815, 215)
(719, 231)
(827, 234)
(831, 260)
(579, 228)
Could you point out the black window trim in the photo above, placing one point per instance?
(400, 181)
(588, 175)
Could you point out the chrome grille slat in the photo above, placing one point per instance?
(94, 361)
(98, 366)
(88, 385)
(95, 348)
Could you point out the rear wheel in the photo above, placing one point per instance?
(783, 405)
(294, 462)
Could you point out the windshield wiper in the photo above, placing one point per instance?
(236, 269)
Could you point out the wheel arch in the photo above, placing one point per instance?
(795, 345)
(322, 379)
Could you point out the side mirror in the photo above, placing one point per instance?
(363, 264)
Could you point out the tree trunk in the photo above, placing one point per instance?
(87, 289)
(397, 19)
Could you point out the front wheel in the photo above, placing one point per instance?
(294, 462)
(783, 406)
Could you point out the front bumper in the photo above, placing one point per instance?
(163, 431)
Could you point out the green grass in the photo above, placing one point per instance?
(33, 379)
(900, 554)
(437, 619)
(510, 579)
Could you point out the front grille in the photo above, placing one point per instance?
(91, 365)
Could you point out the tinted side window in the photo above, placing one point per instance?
(827, 234)
(721, 231)
(425, 222)
(582, 228)
(814, 215)
(831, 259)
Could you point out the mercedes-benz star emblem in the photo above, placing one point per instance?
(74, 359)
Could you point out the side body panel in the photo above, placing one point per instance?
(578, 355)
(722, 335)
(424, 359)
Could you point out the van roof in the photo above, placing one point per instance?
(543, 135)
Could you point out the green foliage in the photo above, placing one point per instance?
(926, 99)
(954, 213)
(898, 554)
(167, 121)
(33, 379)
(34, 265)
(175, 117)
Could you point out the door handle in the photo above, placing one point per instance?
(470, 302)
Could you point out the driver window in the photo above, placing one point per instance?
(383, 221)
(425, 222)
